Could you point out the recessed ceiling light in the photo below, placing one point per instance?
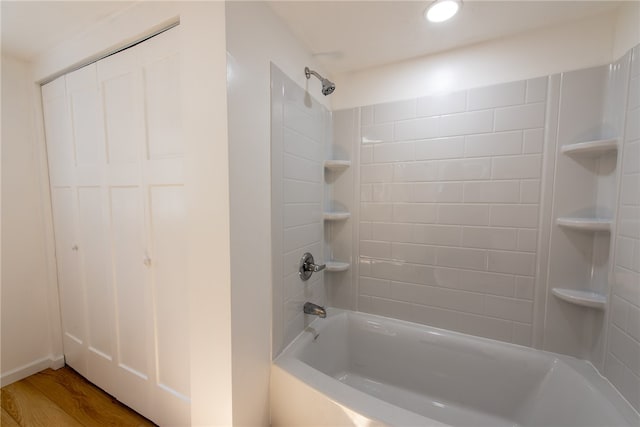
(442, 10)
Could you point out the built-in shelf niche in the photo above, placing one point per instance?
(336, 216)
(582, 298)
(592, 148)
(336, 167)
(585, 224)
(337, 266)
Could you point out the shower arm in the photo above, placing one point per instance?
(308, 72)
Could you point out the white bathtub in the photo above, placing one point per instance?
(365, 370)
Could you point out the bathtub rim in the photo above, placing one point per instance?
(385, 412)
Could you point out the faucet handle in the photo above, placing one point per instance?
(308, 266)
(317, 267)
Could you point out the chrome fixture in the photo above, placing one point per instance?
(327, 85)
(307, 266)
(316, 310)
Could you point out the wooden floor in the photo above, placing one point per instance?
(63, 398)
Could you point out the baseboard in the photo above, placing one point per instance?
(53, 362)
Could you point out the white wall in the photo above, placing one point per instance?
(28, 326)
(255, 38)
(203, 73)
(532, 54)
(627, 30)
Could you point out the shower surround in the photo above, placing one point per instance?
(455, 203)
(457, 200)
(449, 209)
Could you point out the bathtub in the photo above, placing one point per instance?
(363, 370)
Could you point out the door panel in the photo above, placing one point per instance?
(72, 299)
(119, 80)
(160, 62)
(85, 117)
(57, 128)
(168, 225)
(94, 232)
(127, 221)
(98, 279)
(163, 109)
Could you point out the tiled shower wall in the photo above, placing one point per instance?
(622, 365)
(449, 209)
(300, 128)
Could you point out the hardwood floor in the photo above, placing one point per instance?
(63, 398)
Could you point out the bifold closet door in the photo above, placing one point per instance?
(116, 171)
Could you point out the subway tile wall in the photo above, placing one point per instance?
(301, 128)
(449, 209)
(622, 363)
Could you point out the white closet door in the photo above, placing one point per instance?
(163, 175)
(115, 152)
(61, 155)
(120, 80)
(94, 249)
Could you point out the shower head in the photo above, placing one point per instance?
(327, 85)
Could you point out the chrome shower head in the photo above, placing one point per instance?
(327, 85)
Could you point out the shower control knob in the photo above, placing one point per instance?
(74, 247)
(308, 267)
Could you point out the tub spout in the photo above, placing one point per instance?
(316, 310)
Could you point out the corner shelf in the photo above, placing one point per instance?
(337, 164)
(336, 216)
(332, 169)
(582, 298)
(585, 224)
(335, 266)
(591, 148)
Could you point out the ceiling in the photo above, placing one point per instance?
(352, 35)
(344, 35)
